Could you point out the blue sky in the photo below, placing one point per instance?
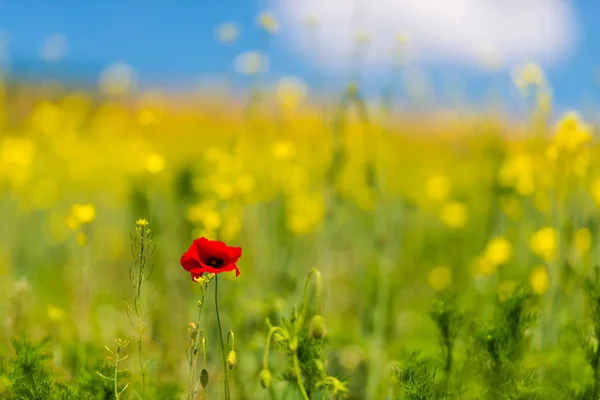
(174, 45)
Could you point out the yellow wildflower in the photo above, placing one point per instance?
(437, 187)
(544, 243)
(498, 251)
(440, 278)
(539, 279)
(454, 215)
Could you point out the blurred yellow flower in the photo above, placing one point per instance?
(283, 149)
(117, 78)
(539, 279)
(266, 20)
(482, 266)
(305, 212)
(290, 93)
(249, 63)
(518, 172)
(583, 240)
(154, 163)
(571, 135)
(227, 33)
(529, 74)
(211, 220)
(83, 213)
(544, 243)
(498, 251)
(55, 314)
(454, 215)
(245, 183)
(440, 278)
(437, 187)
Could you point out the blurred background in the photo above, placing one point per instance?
(406, 149)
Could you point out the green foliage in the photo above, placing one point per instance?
(501, 344)
(27, 376)
(415, 379)
(449, 320)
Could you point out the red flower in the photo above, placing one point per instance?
(206, 255)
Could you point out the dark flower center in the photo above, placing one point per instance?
(215, 262)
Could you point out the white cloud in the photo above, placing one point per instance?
(448, 31)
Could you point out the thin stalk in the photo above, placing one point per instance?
(194, 354)
(226, 386)
(299, 376)
(138, 306)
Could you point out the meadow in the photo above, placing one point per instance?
(384, 256)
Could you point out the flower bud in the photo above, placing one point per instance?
(204, 377)
(317, 327)
(265, 378)
(231, 359)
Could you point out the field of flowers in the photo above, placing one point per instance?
(382, 256)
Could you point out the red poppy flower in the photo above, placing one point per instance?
(206, 255)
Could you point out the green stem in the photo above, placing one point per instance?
(194, 350)
(269, 336)
(226, 386)
(299, 377)
(117, 372)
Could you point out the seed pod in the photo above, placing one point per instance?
(317, 327)
(204, 377)
(231, 359)
(265, 378)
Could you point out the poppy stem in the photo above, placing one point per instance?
(226, 385)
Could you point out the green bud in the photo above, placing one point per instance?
(231, 359)
(204, 377)
(265, 378)
(317, 327)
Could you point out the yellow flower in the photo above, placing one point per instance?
(539, 279)
(290, 93)
(481, 266)
(583, 240)
(227, 33)
(527, 75)
(283, 149)
(571, 134)
(83, 213)
(211, 220)
(55, 313)
(454, 215)
(245, 183)
(266, 20)
(249, 63)
(440, 278)
(437, 187)
(544, 243)
(154, 163)
(141, 222)
(498, 251)
(118, 78)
